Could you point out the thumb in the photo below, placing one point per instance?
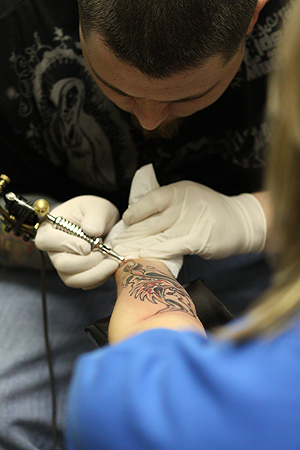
(98, 217)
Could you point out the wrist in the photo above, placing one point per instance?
(157, 264)
(149, 297)
(254, 221)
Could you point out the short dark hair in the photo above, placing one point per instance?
(164, 37)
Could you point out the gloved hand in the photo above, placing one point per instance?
(76, 265)
(144, 181)
(189, 218)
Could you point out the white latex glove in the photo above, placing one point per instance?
(76, 265)
(189, 218)
(144, 181)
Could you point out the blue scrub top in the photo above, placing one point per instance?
(174, 390)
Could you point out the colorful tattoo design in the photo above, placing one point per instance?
(148, 284)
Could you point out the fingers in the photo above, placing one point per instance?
(51, 240)
(91, 278)
(152, 246)
(152, 203)
(151, 226)
(70, 263)
(164, 246)
(168, 249)
(99, 216)
(94, 215)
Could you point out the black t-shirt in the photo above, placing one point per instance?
(59, 135)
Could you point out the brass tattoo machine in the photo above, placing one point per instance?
(24, 218)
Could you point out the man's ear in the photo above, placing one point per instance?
(259, 6)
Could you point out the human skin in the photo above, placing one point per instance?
(154, 103)
(149, 297)
(157, 101)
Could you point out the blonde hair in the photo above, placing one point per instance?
(281, 303)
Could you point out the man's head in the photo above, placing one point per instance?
(185, 48)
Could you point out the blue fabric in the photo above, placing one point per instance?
(169, 390)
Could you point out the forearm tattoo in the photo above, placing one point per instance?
(146, 283)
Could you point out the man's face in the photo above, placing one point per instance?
(155, 102)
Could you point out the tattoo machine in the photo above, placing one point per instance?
(25, 217)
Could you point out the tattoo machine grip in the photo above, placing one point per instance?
(41, 208)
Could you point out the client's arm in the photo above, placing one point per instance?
(150, 297)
